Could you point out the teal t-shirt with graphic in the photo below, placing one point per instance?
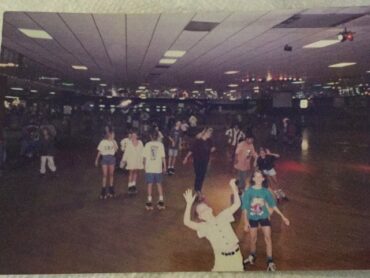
(254, 201)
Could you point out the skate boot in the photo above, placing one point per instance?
(149, 205)
(160, 205)
(103, 193)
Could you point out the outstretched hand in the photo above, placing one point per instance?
(286, 221)
(189, 197)
(233, 185)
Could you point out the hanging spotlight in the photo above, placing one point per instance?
(346, 35)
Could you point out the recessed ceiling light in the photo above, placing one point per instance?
(16, 89)
(33, 91)
(79, 67)
(199, 82)
(103, 84)
(231, 72)
(322, 43)
(342, 65)
(167, 61)
(174, 53)
(94, 78)
(233, 85)
(52, 93)
(35, 33)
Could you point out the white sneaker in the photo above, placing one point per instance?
(249, 261)
(271, 267)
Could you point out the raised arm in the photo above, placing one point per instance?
(189, 198)
(235, 206)
(273, 154)
(187, 157)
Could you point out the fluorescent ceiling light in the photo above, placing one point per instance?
(103, 84)
(142, 87)
(233, 85)
(342, 65)
(368, 71)
(33, 91)
(166, 61)
(52, 93)
(48, 78)
(297, 82)
(199, 82)
(174, 53)
(322, 43)
(231, 72)
(8, 65)
(94, 78)
(35, 33)
(16, 89)
(79, 67)
(232, 91)
(67, 84)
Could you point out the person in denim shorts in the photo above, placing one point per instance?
(106, 150)
(154, 164)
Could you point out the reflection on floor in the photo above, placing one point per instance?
(59, 225)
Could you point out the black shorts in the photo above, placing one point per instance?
(263, 222)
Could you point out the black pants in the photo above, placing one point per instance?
(200, 169)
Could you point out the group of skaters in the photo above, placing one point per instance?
(137, 156)
(258, 201)
(258, 198)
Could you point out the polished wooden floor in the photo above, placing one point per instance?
(59, 225)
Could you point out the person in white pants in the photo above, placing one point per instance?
(218, 230)
(47, 152)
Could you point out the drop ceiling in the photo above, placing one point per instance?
(125, 49)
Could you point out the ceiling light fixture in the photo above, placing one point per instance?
(199, 82)
(231, 72)
(33, 91)
(16, 89)
(322, 43)
(94, 78)
(35, 33)
(79, 67)
(174, 53)
(342, 65)
(346, 35)
(233, 85)
(8, 65)
(142, 87)
(167, 61)
(48, 78)
(52, 93)
(67, 84)
(103, 85)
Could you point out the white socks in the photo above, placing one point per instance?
(130, 184)
(150, 198)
